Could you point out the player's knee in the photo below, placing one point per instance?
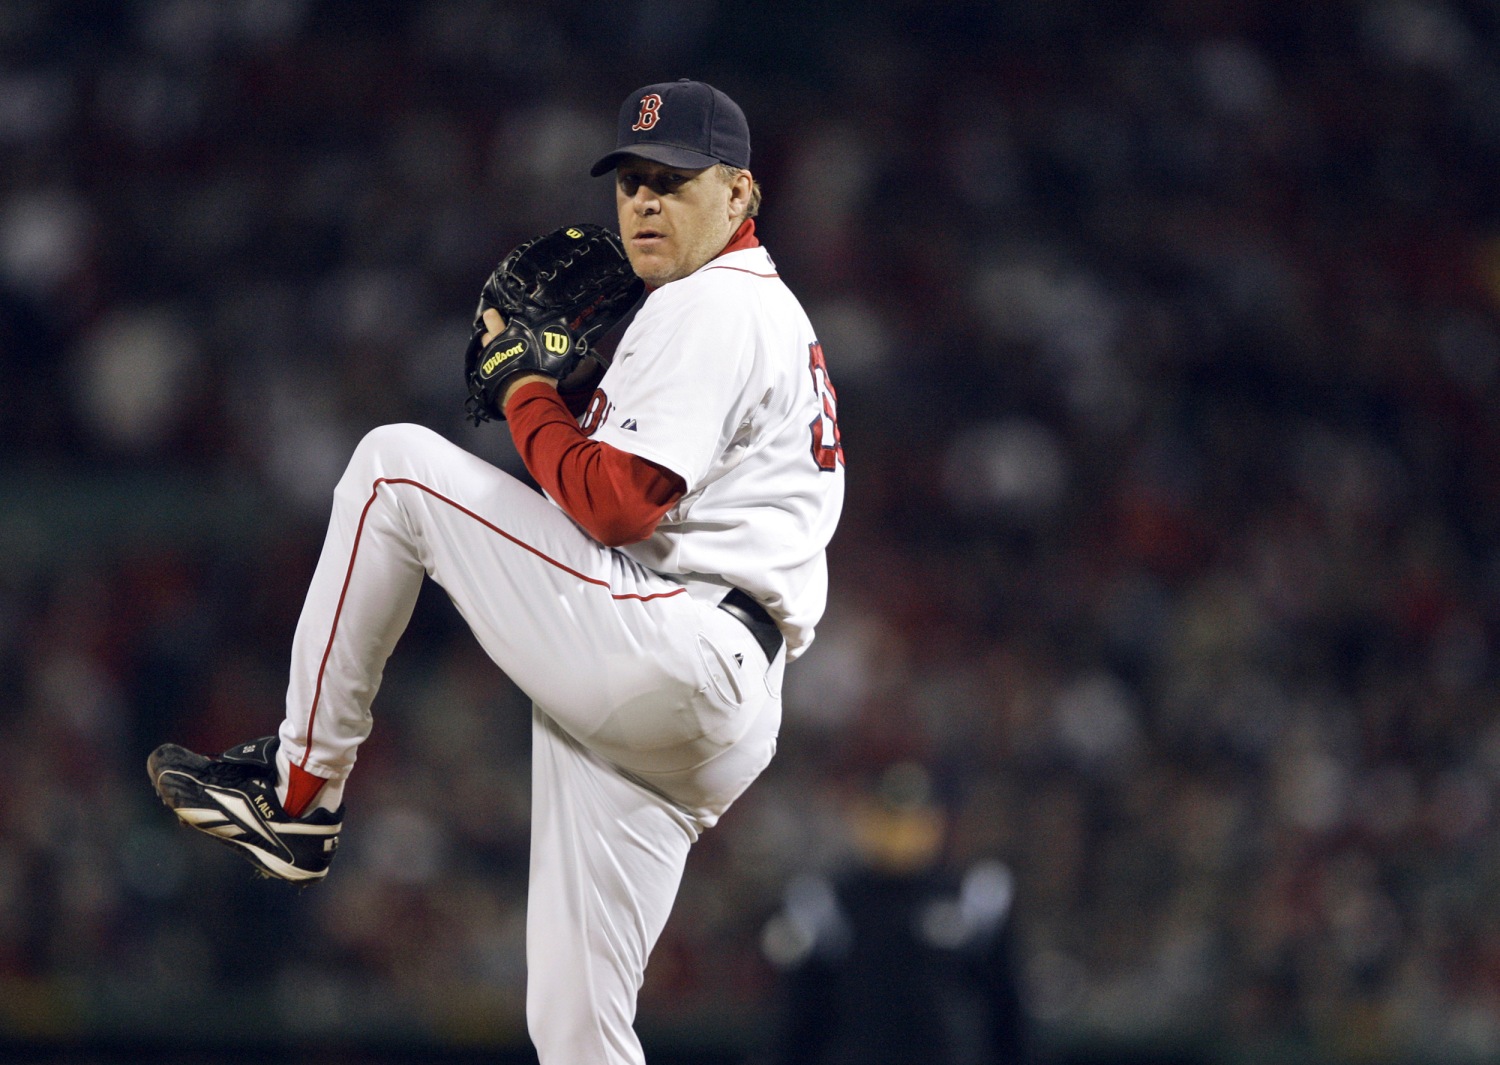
(398, 438)
(386, 449)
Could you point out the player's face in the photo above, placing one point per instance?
(674, 220)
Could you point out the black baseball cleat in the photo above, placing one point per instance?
(233, 799)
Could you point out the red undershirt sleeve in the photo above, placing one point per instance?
(617, 497)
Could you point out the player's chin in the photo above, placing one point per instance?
(652, 269)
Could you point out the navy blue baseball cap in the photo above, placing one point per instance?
(680, 123)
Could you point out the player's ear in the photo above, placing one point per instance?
(740, 188)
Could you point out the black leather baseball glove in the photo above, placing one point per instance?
(559, 294)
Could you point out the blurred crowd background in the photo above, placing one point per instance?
(1167, 341)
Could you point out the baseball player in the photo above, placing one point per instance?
(647, 605)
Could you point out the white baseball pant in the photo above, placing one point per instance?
(653, 710)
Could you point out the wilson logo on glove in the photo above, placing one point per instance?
(493, 362)
(556, 340)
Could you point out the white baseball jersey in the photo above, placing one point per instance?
(721, 380)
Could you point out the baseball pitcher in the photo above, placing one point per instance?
(648, 603)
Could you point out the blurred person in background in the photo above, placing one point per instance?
(899, 959)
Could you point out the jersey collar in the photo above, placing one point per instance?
(743, 238)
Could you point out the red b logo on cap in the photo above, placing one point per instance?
(650, 105)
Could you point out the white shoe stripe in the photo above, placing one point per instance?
(287, 871)
(299, 829)
(239, 809)
(199, 816)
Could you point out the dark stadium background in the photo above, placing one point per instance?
(1167, 348)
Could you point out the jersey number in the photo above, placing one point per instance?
(594, 415)
(827, 445)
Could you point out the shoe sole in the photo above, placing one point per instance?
(224, 814)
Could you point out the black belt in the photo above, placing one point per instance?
(753, 616)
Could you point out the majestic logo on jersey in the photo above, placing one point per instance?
(827, 444)
(494, 362)
(650, 112)
(557, 340)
